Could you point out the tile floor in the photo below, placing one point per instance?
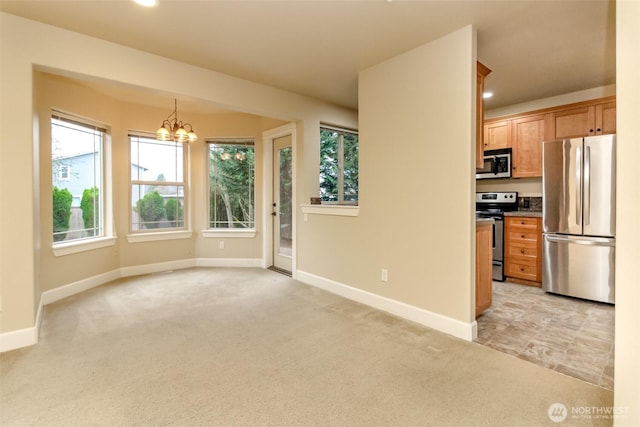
(569, 335)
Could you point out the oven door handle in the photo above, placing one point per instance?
(493, 239)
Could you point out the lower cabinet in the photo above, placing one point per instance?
(484, 255)
(523, 248)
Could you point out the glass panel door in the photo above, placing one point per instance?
(282, 206)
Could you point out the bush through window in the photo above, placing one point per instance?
(157, 184)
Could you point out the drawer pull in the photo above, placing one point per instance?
(522, 251)
(521, 269)
(522, 223)
(522, 236)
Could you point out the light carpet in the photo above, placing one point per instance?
(245, 347)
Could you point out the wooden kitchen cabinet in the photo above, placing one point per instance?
(484, 267)
(481, 73)
(523, 248)
(585, 120)
(528, 133)
(497, 134)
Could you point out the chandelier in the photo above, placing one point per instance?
(174, 129)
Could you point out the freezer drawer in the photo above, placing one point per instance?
(579, 266)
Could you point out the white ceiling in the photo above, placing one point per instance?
(536, 48)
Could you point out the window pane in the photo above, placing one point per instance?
(153, 160)
(350, 142)
(329, 165)
(285, 193)
(76, 157)
(157, 206)
(231, 185)
(338, 166)
(157, 187)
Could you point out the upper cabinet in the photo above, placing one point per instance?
(497, 134)
(526, 132)
(528, 136)
(586, 120)
(481, 72)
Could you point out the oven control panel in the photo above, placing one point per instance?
(506, 197)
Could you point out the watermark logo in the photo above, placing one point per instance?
(557, 412)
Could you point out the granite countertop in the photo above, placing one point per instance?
(534, 214)
(482, 221)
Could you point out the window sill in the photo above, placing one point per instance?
(162, 235)
(229, 234)
(337, 210)
(62, 249)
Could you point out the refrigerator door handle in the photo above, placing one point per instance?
(587, 185)
(578, 186)
(585, 242)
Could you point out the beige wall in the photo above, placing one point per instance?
(526, 187)
(413, 108)
(627, 368)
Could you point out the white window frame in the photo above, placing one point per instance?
(222, 232)
(341, 131)
(184, 232)
(108, 236)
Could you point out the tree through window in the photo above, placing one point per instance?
(338, 165)
(231, 184)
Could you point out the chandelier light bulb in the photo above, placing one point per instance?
(174, 129)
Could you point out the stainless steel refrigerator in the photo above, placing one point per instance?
(578, 211)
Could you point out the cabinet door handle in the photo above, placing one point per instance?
(522, 251)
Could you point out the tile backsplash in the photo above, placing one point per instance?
(529, 203)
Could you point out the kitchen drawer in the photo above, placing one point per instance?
(523, 223)
(522, 271)
(529, 249)
(523, 235)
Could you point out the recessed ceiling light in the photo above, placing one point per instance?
(487, 95)
(147, 3)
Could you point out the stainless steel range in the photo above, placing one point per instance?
(494, 205)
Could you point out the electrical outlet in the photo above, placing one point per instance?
(384, 275)
(221, 244)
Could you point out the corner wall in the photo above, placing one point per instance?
(627, 344)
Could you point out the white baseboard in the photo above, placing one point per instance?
(137, 270)
(29, 336)
(229, 262)
(448, 325)
(65, 291)
(18, 339)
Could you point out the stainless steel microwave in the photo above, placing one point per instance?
(497, 164)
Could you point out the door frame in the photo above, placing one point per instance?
(267, 193)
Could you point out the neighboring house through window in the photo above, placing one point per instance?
(77, 159)
(64, 172)
(157, 184)
(231, 184)
(338, 165)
